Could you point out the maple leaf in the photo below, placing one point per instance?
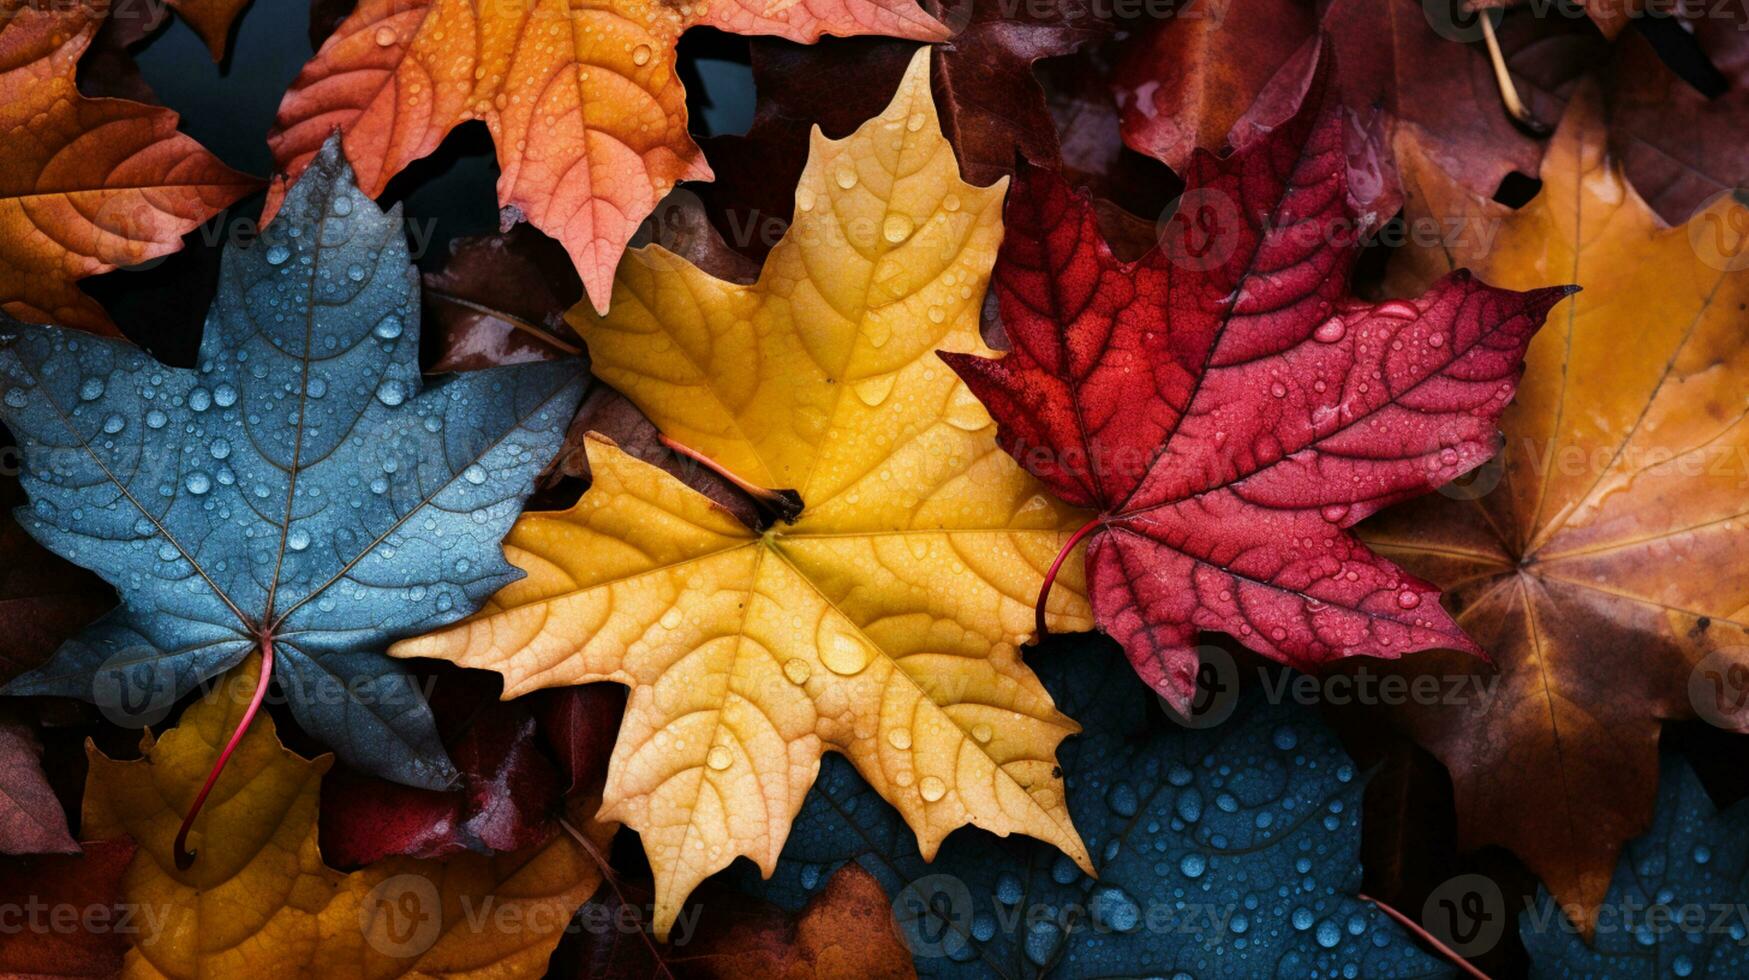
(585, 109)
(992, 105)
(261, 902)
(1603, 571)
(1249, 830)
(31, 821)
(1230, 410)
(1693, 857)
(297, 489)
(89, 882)
(86, 185)
(882, 622)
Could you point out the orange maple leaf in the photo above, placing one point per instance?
(86, 185)
(585, 109)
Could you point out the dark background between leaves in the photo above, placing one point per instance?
(229, 107)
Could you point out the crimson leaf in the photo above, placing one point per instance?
(1231, 410)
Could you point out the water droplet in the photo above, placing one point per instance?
(797, 670)
(804, 199)
(391, 392)
(298, 539)
(931, 788)
(896, 228)
(198, 483)
(342, 206)
(719, 757)
(277, 254)
(385, 36)
(950, 202)
(475, 474)
(965, 412)
(1436, 340)
(114, 424)
(1330, 331)
(846, 178)
(1334, 512)
(982, 733)
(1193, 865)
(224, 396)
(1408, 599)
(17, 397)
(1278, 389)
(355, 272)
(1114, 910)
(389, 327)
(899, 738)
(844, 654)
(156, 419)
(91, 389)
(873, 391)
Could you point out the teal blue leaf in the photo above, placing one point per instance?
(1227, 852)
(1675, 906)
(300, 482)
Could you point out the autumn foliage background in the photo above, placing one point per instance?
(1395, 592)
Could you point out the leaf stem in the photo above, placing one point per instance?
(773, 503)
(1515, 107)
(1428, 937)
(1044, 590)
(183, 856)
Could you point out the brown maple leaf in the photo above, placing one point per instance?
(1606, 570)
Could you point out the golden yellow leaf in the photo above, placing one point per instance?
(883, 622)
(1604, 572)
(258, 901)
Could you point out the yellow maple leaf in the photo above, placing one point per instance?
(259, 901)
(883, 622)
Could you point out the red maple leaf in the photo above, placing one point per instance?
(1231, 410)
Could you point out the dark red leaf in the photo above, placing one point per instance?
(89, 885)
(509, 794)
(580, 724)
(1231, 410)
(31, 821)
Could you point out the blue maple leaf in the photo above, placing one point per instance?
(1227, 852)
(299, 486)
(1675, 906)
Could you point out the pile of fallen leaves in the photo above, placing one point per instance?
(1213, 488)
